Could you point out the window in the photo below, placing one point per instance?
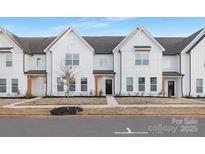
(129, 84)
(103, 62)
(153, 84)
(60, 84)
(9, 60)
(84, 84)
(142, 58)
(15, 86)
(75, 59)
(199, 85)
(2, 85)
(72, 85)
(38, 62)
(72, 59)
(141, 84)
(68, 59)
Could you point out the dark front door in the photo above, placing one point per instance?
(108, 86)
(170, 88)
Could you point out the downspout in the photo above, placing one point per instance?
(180, 69)
(120, 72)
(46, 75)
(24, 62)
(189, 74)
(114, 75)
(51, 72)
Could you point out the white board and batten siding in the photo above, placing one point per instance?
(198, 67)
(103, 62)
(129, 69)
(16, 71)
(70, 43)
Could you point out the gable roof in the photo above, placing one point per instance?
(104, 44)
(174, 45)
(100, 44)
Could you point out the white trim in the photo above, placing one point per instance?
(67, 30)
(131, 34)
(193, 41)
(12, 41)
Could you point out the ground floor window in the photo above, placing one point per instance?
(60, 84)
(72, 85)
(129, 84)
(153, 84)
(199, 85)
(84, 84)
(14, 85)
(2, 85)
(141, 84)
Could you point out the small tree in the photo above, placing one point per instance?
(67, 74)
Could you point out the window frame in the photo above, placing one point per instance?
(132, 85)
(59, 84)
(199, 86)
(3, 85)
(72, 84)
(141, 58)
(72, 59)
(9, 60)
(14, 85)
(141, 84)
(84, 84)
(153, 84)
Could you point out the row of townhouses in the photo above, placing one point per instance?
(136, 64)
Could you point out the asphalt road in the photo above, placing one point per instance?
(102, 127)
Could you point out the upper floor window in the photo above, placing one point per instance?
(199, 85)
(153, 84)
(9, 60)
(142, 58)
(2, 85)
(72, 59)
(38, 62)
(129, 84)
(14, 85)
(141, 84)
(103, 61)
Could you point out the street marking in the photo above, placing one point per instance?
(129, 131)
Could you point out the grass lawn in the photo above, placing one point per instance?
(105, 111)
(145, 111)
(152, 100)
(68, 101)
(9, 101)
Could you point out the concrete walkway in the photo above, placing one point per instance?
(111, 101)
(17, 103)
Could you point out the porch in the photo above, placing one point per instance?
(104, 82)
(36, 83)
(171, 84)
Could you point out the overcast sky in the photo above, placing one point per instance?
(102, 26)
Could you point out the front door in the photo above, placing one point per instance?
(170, 88)
(108, 86)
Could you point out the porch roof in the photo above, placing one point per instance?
(103, 72)
(36, 72)
(172, 74)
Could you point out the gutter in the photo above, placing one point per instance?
(189, 73)
(51, 72)
(120, 72)
(180, 62)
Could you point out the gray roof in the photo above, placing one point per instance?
(103, 72)
(172, 74)
(101, 44)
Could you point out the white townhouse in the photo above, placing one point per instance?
(137, 64)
